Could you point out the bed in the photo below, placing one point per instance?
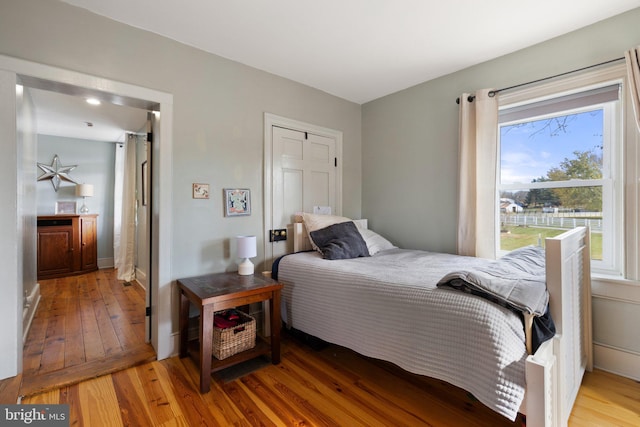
(388, 306)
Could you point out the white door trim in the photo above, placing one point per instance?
(271, 120)
(162, 340)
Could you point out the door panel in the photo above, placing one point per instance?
(293, 186)
(321, 190)
(303, 176)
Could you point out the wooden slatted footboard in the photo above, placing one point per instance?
(555, 371)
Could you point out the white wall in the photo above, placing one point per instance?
(410, 143)
(11, 242)
(17, 227)
(27, 142)
(94, 162)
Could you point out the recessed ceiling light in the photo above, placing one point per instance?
(93, 101)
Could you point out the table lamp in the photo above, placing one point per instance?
(246, 250)
(84, 191)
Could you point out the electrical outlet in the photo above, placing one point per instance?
(278, 235)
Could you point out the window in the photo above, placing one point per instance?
(560, 167)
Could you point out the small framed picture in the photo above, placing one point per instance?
(200, 191)
(65, 207)
(237, 201)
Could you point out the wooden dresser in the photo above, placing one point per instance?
(67, 245)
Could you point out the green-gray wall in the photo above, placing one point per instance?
(410, 138)
(400, 151)
(218, 107)
(410, 155)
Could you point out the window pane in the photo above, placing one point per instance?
(552, 149)
(527, 217)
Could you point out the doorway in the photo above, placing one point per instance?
(36, 75)
(91, 321)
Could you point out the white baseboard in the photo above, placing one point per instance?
(29, 310)
(175, 336)
(617, 361)
(105, 263)
(141, 278)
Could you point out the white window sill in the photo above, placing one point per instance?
(615, 287)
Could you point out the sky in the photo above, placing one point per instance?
(528, 151)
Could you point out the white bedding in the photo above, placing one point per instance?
(387, 306)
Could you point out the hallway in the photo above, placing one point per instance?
(85, 326)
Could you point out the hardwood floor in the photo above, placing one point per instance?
(112, 380)
(85, 326)
(330, 387)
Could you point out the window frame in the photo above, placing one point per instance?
(616, 194)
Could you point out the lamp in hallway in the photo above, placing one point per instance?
(246, 250)
(84, 191)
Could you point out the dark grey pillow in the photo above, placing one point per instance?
(340, 241)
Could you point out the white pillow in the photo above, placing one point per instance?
(375, 242)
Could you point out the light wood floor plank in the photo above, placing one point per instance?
(286, 395)
(94, 348)
(51, 397)
(607, 399)
(429, 395)
(10, 390)
(247, 405)
(224, 410)
(99, 398)
(134, 408)
(34, 344)
(120, 323)
(156, 398)
(73, 338)
(318, 405)
(53, 350)
(265, 389)
(71, 396)
(108, 334)
(192, 405)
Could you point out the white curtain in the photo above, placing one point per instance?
(632, 58)
(478, 153)
(124, 205)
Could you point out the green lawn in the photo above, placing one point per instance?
(517, 237)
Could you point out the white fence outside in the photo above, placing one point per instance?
(557, 220)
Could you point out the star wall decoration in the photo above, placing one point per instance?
(56, 172)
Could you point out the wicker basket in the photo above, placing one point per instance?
(229, 341)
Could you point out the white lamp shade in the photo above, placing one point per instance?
(246, 246)
(84, 190)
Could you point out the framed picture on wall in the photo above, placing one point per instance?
(200, 191)
(65, 207)
(237, 201)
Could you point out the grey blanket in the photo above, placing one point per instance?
(516, 280)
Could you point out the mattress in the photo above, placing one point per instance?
(387, 306)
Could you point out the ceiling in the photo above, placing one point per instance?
(358, 50)
(68, 116)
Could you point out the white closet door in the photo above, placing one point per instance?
(303, 176)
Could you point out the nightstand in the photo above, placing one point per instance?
(214, 292)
